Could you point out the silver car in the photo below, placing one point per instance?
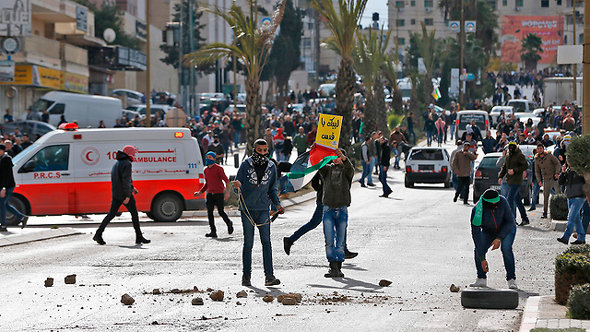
(428, 165)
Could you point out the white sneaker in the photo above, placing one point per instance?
(480, 282)
(512, 284)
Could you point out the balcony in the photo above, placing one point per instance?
(39, 50)
(74, 59)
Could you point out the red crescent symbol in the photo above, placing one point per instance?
(88, 156)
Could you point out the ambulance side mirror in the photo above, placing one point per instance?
(28, 167)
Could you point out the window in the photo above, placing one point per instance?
(559, 2)
(400, 23)
(427, 154)
(58, 109)
(401, 41)
(400, 4)
(429, 21)
(488, 162)
(51, 158)
(492, 4)
(428, 3)
(504, 2)
(413, 21)
(545, 3)
(565, 40)
(519, 3)
(413, 3)
(581, 39)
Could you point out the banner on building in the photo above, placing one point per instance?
(15, 18)
(515, 28)
(7, 71)
(48, 78)
(74, 83)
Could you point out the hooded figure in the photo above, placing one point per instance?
(122, 191)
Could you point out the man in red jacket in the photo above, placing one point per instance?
(217, 192)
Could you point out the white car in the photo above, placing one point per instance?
(153, 108)
(133, 97)
(497, 110)
(428, 165)
(521, 105)
(524, 117)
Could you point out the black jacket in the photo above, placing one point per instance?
(337, 182)
(6, 175)
(385, 155)
(121, 182)
(573, 182)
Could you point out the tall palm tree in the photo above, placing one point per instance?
(389, 69)
(343, 24)
(531, 47)
(252, 45)
(369, 55)
(427, 48)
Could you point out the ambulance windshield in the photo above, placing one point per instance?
(23, 154)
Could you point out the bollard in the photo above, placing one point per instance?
(236, 160)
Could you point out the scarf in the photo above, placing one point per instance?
(259, 159)
(479, 210)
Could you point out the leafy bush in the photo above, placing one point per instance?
(578, 303)
(571, 268)
(578, 154)
(558, 207)
(394, 120)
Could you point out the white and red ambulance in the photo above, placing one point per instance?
(69, 172)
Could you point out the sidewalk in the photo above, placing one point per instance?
(543, 312)
(16, 235)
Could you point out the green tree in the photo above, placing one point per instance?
(389, 68)
(251, 46)
(343, 24)
(427, 45)
(109, 16)
(531, 47)
(368, 56)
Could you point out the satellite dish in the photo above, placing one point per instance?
(109, 35)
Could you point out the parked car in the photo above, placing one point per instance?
(133, 97)
(241, 108)
(29, 127)
(428, 165)
(486, 175)
(496, 111)
(524, 117)
(522, 105)
(153, 108)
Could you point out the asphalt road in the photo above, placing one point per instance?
(418, 239)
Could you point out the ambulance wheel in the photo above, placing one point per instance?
(150, 215)
(167, 207)
(11, 219)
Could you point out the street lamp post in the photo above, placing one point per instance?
(461, 57)
(586, 77)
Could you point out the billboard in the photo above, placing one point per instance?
(514, 28)
(15, 18)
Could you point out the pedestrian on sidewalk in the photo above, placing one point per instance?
(217, 193)
(300, 141)
(574, 190)
(256, 186)
(384, 166)
(7, 184)
(366, 160)
(461, 166)
(122, 191)
(492, 225)
(547, 169)
(337, 176)
(514, 166)
(318, 185)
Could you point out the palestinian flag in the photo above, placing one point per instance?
(307, 165)
(436, 94)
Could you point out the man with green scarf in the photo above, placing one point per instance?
(493, 225)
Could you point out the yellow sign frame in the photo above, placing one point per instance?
(328, 134)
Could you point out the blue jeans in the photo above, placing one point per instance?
(412, 134)
(429, 136)
(504, 189)
(535, 198)
(316, 219)
(585, 215)
(236, 138)
(454, 181)
(260, 218)
(383, 179)
(573, 218)
(395, 153)
(5, 206)
(507, 253)
(441, 135)
(335, 223)
(366, 173)
(452, 131)
(283, 184)
(370, 176)
(516, 201)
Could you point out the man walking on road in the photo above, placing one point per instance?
(514, 166)
(300, 141)
(395, 138)
(547, 169)
(384, 166)
(366, 161)
(461, 165)
(256, 186)
(7, 182)
(217, 192)
(492, 225)
(122, 191)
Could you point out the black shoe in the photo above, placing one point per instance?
(562, 240)
(350, 254)
(340, 274)
(579, 242)
(211, 234)
(466, 203)
(230, 228)
(455, 199)
(99, 240)
(287, 243)
(544, 216)
(3, 229)
(334, 271)
(370, 184)
(271, 281)
(23, 222)
(246, 280)
(531, 209)
(524, 222)
(142, 240)
(362, 185)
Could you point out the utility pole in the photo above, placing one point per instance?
(586, 77)
(148, 97)
(461, 57)
(235, 69)
(191, 37)
(180, 56)
(316, 27)
(574, 39)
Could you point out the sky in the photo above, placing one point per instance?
(379, 6)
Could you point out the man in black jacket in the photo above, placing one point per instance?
(123, 191)
(384, 165)
(7, 182)
(574, 190)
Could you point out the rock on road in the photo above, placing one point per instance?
(418, 239)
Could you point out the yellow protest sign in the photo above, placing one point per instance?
(328, 133)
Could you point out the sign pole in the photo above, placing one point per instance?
(574, 43)
(462, 42)
(586, 77)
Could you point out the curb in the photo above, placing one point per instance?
(37, 236)
(558, 225)
(530, 314)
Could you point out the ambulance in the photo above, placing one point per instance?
(68, 171)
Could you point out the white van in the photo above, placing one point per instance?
(86, 110)
(482, 120)
(69, 172)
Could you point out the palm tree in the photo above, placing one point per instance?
(427, 47)
(252, 45)
(531, 47)
(343, 25)
(369, 55)
(389, 69)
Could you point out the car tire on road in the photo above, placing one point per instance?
(167, 207)
(489, 298)
(408, 184)
(18, 204)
